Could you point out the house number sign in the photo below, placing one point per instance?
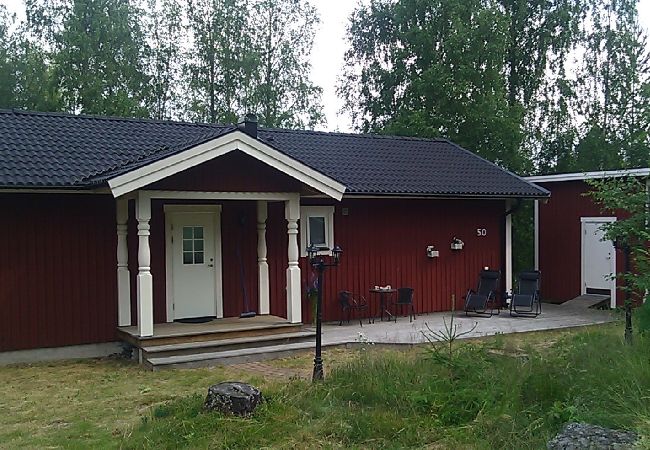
(481, 232)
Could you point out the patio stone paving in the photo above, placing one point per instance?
(405, 332)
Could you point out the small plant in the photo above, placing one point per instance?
(446, 337)
(364, 340)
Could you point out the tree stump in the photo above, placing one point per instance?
(233, 397)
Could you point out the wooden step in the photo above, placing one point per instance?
(253, 329)
(185, 348)
(225, 357)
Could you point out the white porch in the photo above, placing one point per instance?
(144, 279)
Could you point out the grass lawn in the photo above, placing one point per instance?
(512, 391)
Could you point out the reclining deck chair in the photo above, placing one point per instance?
(526, 302)
(483, 300)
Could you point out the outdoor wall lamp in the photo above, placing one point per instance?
(457, 244)
(432, 252)
(319, 264)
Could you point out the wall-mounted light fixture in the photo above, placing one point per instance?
(432, 252)
(457, 244)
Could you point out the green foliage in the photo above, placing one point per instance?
(97, 56)
(500, 399)
(643, 317)
(432, 69)
(628, 195)
(204, 60)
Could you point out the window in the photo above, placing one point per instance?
(316, 227)
(193, 245)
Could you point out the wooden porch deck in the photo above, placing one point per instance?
(226, 328)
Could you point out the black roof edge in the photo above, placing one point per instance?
(496, 165)
(547, 194)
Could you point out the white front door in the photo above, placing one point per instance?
(598, 256)
(194, 263)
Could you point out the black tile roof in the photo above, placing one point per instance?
(62, 150)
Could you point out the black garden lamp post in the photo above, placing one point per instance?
(318, 263)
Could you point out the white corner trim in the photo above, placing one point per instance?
(581, 176)
(236, 140)
(320, 211)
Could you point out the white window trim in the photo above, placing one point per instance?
(316, 211)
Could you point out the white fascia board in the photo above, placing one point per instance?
(581, 176)
(236, 140)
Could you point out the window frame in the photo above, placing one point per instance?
(327, 212)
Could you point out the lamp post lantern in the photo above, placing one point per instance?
(318, 263)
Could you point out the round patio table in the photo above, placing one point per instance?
(383, 296)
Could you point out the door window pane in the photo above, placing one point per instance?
(193, 244)
(188, 258)
(317, 231)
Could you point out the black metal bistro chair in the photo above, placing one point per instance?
(350, 304)
(482, 301)
(526, 301)
(405, 298)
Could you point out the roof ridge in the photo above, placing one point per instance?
(26, 112)
(352, 134)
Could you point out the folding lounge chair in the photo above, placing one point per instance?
(482, 301)
(526, 302)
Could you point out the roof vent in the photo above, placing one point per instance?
(249, 125)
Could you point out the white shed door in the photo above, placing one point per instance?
(597, 257)
(193, 261)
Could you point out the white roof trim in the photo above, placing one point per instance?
(580, 176)
(236, 140)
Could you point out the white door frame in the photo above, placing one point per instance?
(583, 288)
(169, 262)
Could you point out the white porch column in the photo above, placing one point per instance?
(508, 247)
(536, 238)
(262, 264)
(145, 280)
(292, 214)
(123, 276)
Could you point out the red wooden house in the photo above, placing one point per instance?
(569, 247)
(113, 222)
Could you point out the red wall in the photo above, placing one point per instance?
(560, 240)
(57, 260)
(384, 242)
(57, 270)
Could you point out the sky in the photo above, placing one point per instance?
(329, 46)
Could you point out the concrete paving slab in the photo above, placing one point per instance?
(405, 332)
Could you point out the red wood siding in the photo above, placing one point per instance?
(57, 270)
(57, 260)
(560, 242)
(384, 242)
(234, 171)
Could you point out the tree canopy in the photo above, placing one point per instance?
(205, 60)
(531, 85)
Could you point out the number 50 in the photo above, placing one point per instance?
(481, 232)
